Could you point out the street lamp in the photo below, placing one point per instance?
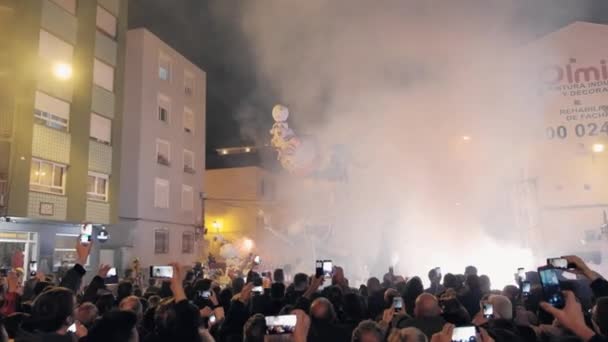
(598, 148)
(62, 71)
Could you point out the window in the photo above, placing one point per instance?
(188, 120)
(161, 193)
(65, 252)
(187, 198)
(164, 67)
(163, 152)
(164, 108)
(106, 22)
(188, 83)
(47, 177)
(51, 112)
(101, 129)
(103, 75)
(97, 188)
(187, 242)
(189, 162)
(54, 50)
(161, 241)
(68, 5)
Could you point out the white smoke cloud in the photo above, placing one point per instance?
(399, 83)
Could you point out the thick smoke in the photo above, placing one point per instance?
(398, 84)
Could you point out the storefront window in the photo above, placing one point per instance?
(17, 249)
(65, 251)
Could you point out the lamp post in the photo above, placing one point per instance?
(62, 71)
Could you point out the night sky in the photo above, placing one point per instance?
(208, 33)
(193, 28)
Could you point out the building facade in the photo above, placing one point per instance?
(61, 67)
(236, 200)
(163, 161)
(563, 195)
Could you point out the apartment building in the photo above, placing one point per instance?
(61, 67)
(163, 148)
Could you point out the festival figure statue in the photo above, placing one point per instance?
(137, 273)
(301, 155)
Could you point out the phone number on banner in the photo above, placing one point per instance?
(581, 130)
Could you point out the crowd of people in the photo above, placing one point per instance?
(189, 307)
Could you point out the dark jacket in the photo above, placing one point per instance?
(470, 300)
(324, 331)
(73, 278)
(37, 336)
(236, 318)
(428, 325)
(600, 288)
(90, 295)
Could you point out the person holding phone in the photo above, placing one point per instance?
(450, 333)
(427, 316)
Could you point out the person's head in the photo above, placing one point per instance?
(450, 281)
(225, 297)
(255, 329)
(125, 289)
(334, 294)
(434, 276)
(454, 312)
(413, 289)
(53, 309)
(484, 283)
(368, 331)
(41, 286)
(237, 284)
(165, 290)
(115, 326)
(104, 303)
(503, 309)
(277, 290)
(389, 295)
(167, 321)
(300, 282)
(599, 315)
(511, 292)
(152, 282)
(132, 304)
(321, 309)
(470, 270)
(153, 301)
(407, 335)
(427, 306)
(202, 285)
(86, 313)
(373, 285)
(278, 276)
(363, 290)
(472, 282)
